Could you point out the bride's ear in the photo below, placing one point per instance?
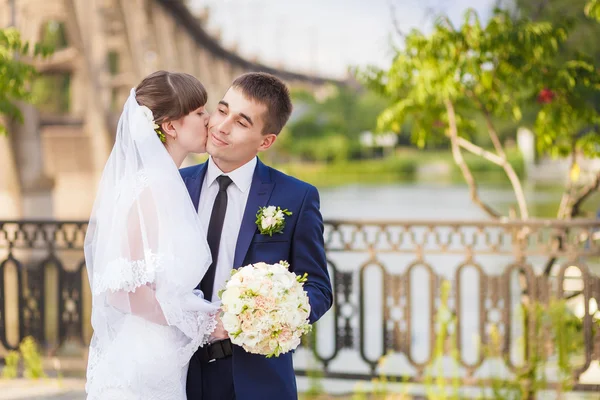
(169, 129)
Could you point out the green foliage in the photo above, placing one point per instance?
(556, 337)
(32, 359)
(561, 123)
(10, 370)
(16, 75)
(581, 29)
(400, 167)
(392, 169)
(500, 388)
(573, 81)
(592, 9)
(51, 93)
(54, 35)
(494, 70)
(328, 128)
(436, 389)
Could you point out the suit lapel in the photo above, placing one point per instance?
(260, 193)
(194, 184)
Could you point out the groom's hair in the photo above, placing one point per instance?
(270, 91)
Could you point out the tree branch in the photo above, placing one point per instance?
(502, 162)
(565, 209)
(395, 21)
(584, 194)
(464, 168)
(492, 132)
(508, 168)
(572, 211)
(473, 148)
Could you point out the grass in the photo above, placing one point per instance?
(403, 166)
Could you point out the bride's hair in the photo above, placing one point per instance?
(170, 95)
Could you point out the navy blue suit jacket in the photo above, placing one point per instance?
(301, 244)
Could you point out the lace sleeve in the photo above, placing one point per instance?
(139, 281)
(126, 275)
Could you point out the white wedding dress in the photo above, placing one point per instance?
(145, 253)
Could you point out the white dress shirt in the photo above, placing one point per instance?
(237, 197)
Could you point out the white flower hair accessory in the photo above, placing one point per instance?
(271, 219)
(150, 117)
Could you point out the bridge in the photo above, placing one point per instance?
(49, 166)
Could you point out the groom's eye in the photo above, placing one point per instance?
(221, 111)
(242, 124)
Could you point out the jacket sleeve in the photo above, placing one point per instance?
(308, 255)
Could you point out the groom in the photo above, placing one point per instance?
(228, 191)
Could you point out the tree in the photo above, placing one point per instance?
(16, 75)
(561, 11)
(328, 128)
(443, 80)
(592, 9)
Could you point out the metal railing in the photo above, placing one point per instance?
(387, 279)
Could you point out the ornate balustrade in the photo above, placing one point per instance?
(387, 279)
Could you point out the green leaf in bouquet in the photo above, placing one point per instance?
(303, 278)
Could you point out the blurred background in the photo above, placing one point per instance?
(452, 142)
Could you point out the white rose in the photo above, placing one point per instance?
(279, 269)
(245, 273)
(267, 222)
(279, 215)
(233, 283)
(251, 340)
(269, 211)
(283, 280)
(261, 265)
(254, 285)
(294, 343)
(231, 322)
(231, 298)
(147, 113)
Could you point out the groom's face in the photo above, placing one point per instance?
(235, 130)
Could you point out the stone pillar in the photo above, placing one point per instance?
(10, 189)
(163, 25)
(35, 186)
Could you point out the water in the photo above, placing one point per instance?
(430, 201)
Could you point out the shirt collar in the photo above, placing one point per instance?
(241, 177)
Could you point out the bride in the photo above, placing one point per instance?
(146, 250)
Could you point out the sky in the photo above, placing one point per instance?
(324, 37)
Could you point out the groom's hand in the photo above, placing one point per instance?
(220, 333)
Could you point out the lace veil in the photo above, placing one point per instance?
(145, 248)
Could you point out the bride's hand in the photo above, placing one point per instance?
(219, 332)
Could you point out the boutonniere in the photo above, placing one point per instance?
(271, 220)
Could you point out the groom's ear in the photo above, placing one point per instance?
(267, 141)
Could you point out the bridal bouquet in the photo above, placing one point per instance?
(265, 308)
